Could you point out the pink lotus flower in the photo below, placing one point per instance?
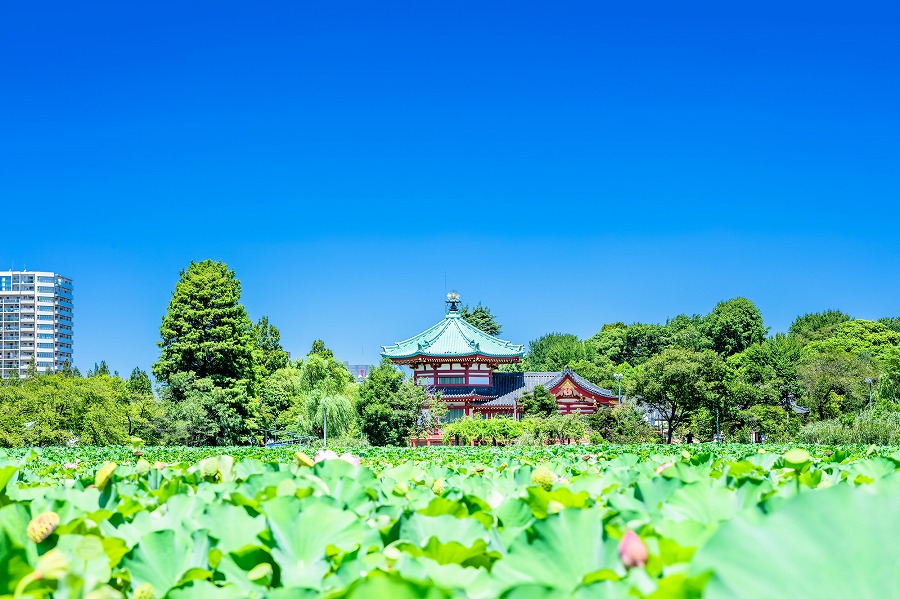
(632, 550)
(71, 465)
(327, 454)
(351, 459)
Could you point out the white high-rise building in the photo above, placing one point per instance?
(35, 321)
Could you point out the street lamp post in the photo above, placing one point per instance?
(619, 376)
(869, 381)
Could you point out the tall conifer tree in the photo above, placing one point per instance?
(206, 330)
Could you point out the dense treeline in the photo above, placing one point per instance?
(722, 371)
(222, 379)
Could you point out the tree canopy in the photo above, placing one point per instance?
(206, 329)
(389, 406)
(481, 318)
(677, 382)
(733, 326)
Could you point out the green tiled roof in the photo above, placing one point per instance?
(451, 338)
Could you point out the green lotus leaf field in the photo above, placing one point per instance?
(729, 521)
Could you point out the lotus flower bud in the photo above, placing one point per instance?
(104, 474)
(303, 459)
(42, 526)
(53, 565)
(438, 486)
(661, 467)
(142, 467)
(159, 465)
(632, 550)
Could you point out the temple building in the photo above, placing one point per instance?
(459, 361)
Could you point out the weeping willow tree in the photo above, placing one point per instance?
(336, 411)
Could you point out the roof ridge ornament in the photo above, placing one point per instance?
(452, 302)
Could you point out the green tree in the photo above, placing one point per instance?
(765, 373)
(539, 403)
(553, 352)
(889, 381)
(771, 421)
(677, 382)
(892, 323)
(280, 393)
(268, 355)
(54, 409)
(206, 329)
(336, 410)
(100, 369)
(142, 411)
(318, 347)
(389, 406)
(201, 413)
(733, 326)
(816, 325)
(833, 382)
(481, 318)
(610, 342)
(856, 337)
(687, 332)
(321, 371)
(623, 423)
(643, 341)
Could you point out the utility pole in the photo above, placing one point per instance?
(325, 425)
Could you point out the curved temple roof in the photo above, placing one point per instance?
(453, 337)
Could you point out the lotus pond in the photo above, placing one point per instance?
(479, 522)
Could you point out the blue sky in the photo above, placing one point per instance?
(566, 164)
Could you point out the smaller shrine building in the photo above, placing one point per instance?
(460, 361)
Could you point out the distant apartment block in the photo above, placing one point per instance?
(359, 371)
(36, 312)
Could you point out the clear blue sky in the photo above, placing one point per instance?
(567, 164)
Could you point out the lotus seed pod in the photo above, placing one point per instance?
(209, 467)
(632, 550)
(42, 526)
(145, 591)
(304, 460)
(438, 486)
(543, 476)
(104, 474)
(142, 467)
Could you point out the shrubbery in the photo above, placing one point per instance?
(866, 428)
